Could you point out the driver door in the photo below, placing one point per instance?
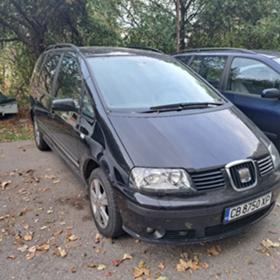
(66, 123)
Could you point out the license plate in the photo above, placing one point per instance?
(247, 208)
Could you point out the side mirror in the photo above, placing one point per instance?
(64, 105)
(271, 93)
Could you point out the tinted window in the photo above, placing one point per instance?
(184, 58)
(250, 76)
(87, 108)
(48, 72)
(143, 82)
(69, 81)
(36, 71)
(210, 68)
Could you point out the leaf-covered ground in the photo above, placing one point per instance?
(15, 127)
(46, 232)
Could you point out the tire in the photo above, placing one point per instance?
(103, 201)
(38, 137)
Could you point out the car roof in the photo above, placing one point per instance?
(230, 51)
(117, 51)
(107, 51)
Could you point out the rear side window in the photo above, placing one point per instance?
(48, 72)
(210, 68)
(36, 71)
(69, 80)
(184, 58)
(250, 76)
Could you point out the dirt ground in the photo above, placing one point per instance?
(46, 232)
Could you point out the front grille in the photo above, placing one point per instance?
(265, 165)
(237, 180)
(208, 180)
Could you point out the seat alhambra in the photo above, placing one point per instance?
(164, 156)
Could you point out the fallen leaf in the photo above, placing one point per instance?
(18, 236)
(31, 253)
(140, 270)
(73, 269)
(5, 184)
(92, 265)
(11, 257)
(161, 266)
(43, 247)
(214, 250)
(58, 232)
(125, 257)
(51, 177)
(183, 265)
(98, 238)
(28, 236)
(267, 244)
(72, 237)
(190, 264)
(162, 278)
(61, 252)
(97, 266)
(101, 267)
(2, 218)
(22, 248)
(26, 226)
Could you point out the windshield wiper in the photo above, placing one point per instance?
(182, 106)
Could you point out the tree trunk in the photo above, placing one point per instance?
(182, 27)
(178, 24)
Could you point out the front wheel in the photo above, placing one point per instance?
(39, 141)
(103, 204)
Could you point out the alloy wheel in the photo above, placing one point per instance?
(99, 203)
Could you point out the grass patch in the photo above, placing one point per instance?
(15, 128)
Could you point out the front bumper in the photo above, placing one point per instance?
(193, 224)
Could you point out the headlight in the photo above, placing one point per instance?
(161, 180)
(274, 155)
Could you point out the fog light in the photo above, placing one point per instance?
(158, 234)
(149, 230)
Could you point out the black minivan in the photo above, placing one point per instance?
(165, 157)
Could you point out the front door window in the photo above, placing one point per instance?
(250, 76)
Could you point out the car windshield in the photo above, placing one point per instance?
(138, 82)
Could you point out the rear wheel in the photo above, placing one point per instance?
(104, 206)
(38, 137)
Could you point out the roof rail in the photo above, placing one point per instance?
(217, 49)
(64, 45)
(146, 49)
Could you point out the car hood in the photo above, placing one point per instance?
(188, 140)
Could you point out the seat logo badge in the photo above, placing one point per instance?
(244, 175)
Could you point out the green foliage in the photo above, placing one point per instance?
(148, 24)
(28, 26)
(234, 23)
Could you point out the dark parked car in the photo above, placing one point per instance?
(249, 79)
(165, 157)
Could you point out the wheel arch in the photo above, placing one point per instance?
(89, 165)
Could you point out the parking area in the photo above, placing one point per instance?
(46, 232)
